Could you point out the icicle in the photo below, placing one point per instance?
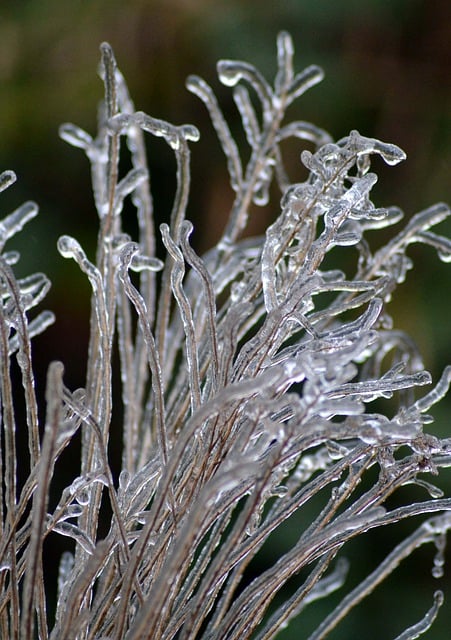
(192, 348)
(127, 185)
(83, 497)
(236, 481)
(35, 328)
(369, 390)
(7, 178)
(285, 52)
(426, 219)
(71, 511)
(439, 560)
(314, 164)
(124, 481)
(230, 72)
(73, 531)
(66, 431)
(248, 115)
(434, 492)
(421, 627)
(35, 287)
(71, 248)
(75, 136)
(304, 131)
(11, 257)
(359, 145)
(108, 74)
(145, 263)
(268, 270)
(332, 582)
(200, 88)
(79, 486)
(15, 221)
(434, 396)
(441, 244)
(304, 80)
(5, 566)
(383, 217)
(159, 128)
(348, 235)
(210, 303)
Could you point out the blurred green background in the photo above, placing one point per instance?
(387, 66)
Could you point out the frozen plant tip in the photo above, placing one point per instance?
(248, 385)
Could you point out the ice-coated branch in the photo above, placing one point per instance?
(259, 388)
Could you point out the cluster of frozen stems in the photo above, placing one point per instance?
(245, 392)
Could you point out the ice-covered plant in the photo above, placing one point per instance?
(260, 381)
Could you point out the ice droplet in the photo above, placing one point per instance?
(229, 73)
(68, 246)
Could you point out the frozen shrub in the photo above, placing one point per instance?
(255, 380)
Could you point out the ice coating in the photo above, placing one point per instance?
(228, 395)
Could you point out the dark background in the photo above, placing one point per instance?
(387, 67)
